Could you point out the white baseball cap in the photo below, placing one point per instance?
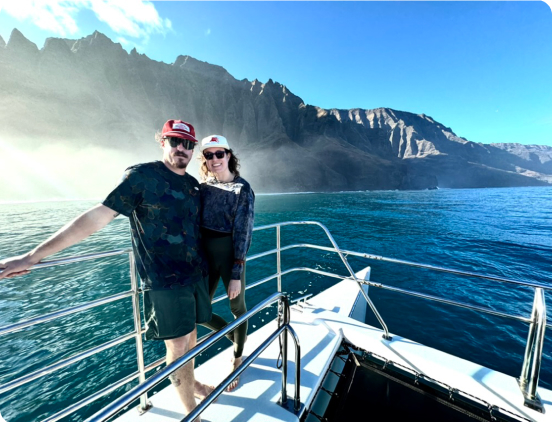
(214, 141)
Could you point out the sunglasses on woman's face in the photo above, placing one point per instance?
(219, 154)
(175, 141)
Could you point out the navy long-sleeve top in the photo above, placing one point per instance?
(228, 208)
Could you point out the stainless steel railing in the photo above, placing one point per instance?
(529, 379)
(117, 405)
(335, 249)
(531, 363)
(144, 404)
(535, 341)
(136, 334)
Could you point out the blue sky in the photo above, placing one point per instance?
(482, 68)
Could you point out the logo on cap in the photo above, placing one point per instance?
(214, 139)
(181, 126)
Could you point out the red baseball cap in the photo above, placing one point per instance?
(178, 128)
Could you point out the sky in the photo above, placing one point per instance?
(481, 68)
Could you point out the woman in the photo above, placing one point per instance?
(226, 228)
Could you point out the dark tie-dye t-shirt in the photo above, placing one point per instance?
(164, 212)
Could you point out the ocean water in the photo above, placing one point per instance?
(503, 232)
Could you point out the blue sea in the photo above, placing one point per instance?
(505, 232)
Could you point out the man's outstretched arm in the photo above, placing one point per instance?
(81, 227)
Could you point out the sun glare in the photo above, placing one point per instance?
(24, 175)
(57, 170)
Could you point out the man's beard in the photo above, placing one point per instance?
(178, 163)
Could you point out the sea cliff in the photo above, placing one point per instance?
(92, 92)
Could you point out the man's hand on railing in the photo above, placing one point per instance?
(78, 229)
(16, 266)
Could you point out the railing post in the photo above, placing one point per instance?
(279, 259)
(386, 335)
(282, 315)
(529, 379)
(144, 403)
(297, 400)
(285, 307)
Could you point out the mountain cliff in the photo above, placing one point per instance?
(91, 92)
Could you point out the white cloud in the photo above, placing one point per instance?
(123, 41)
(50, 16)
(131, 18)
(136, 19)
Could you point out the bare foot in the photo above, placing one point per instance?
(201, 391)
(235, 363)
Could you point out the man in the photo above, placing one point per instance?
(163, 205)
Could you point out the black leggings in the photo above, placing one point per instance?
(220, 256)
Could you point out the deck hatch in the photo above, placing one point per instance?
(372, 388)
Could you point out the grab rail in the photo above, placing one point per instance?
(136, 333)
(338, 251)
(154, 380)
(531, 363)
(529, 379)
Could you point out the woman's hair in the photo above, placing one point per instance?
(233, 165)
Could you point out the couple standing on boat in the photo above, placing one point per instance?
(185, 237)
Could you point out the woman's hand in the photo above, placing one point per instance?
(234, 289)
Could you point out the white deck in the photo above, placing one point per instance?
(321, 327)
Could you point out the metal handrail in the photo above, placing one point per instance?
(534, 343)
(63, 363)
(69, 311)
(93, 397)
(62, 313)
(408, 263)
(448, 270)
(375, 284)
(137, 333)
(79, 258)
(44, 318)
(144, 404)
(343, 259)
(73, 310)
(392, 288)
(448, 302)
(120, 403)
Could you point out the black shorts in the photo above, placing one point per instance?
(174, 313)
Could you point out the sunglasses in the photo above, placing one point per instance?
(219, 154)
(175, 141)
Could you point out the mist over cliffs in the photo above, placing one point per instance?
(92, 94)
